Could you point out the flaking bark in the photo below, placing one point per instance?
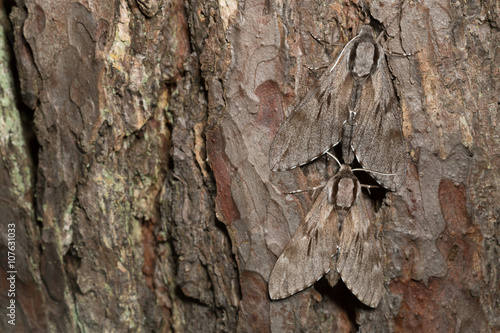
(147, 203)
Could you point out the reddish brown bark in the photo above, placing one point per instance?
(147, 203)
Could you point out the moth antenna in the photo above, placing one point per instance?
(333, 156)
(375, 172)
(341, 53)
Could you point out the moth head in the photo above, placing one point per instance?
(345, 189)
(366, 30)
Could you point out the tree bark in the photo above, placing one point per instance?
(146, 202)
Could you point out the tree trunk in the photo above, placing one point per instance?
(134, 141)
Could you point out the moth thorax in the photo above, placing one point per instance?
(363, 62)
(345, 193)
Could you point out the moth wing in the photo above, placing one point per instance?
(315, 125)
(378, 136)
(308, 255)
(359, 263)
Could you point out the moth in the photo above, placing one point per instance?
(355, 90)
(312, 250)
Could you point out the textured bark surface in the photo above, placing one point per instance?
(146, 202)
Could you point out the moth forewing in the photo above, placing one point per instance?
(308, 254)
(359, 263)
(378, 140)
(312, 128)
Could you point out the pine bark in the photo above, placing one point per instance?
(134, 140)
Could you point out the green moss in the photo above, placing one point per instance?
(13, 146)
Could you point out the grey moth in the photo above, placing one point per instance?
(354, 94)
(318, 243)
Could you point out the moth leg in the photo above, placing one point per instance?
(306, 190)
(371, 186)
(397, 54)
(391, 21)
(319, 40)
(312, 69)
(374, 172)
(379, 38)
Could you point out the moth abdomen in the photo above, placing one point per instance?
(359, 263)
(347, 135)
